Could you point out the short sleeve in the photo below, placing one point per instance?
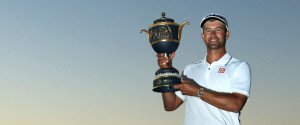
(179, 94)
(241, 82)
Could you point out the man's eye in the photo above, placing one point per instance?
(208, 30)
(218, 29)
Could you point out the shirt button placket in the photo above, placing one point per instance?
(207, 76)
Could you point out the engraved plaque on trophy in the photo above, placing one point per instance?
(164, 36)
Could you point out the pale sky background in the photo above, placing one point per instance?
(84, 62)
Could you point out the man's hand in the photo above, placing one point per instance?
(164, 61)
(188, 86)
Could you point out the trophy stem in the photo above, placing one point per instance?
(167, 55)
(170, 62)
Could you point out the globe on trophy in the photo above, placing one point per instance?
(164, 36)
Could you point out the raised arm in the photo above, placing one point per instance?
(170, 100)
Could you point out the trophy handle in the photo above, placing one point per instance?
(146, 31)
(180, 29)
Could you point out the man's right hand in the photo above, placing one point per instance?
(164, 61)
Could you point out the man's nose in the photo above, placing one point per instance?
(213, 32)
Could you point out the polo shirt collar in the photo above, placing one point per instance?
(222, 61)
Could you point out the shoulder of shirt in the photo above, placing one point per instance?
(237, 62)
(193, 64)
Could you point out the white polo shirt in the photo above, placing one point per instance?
(225, 75)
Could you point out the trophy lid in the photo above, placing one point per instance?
(163, 19)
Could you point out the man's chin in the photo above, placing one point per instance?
(213, 47)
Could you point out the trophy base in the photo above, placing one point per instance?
(163, 89)
(165, 79)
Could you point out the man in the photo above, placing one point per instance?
(215, 89)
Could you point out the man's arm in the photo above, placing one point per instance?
(171, 101)
(233, 102)
(227, 101)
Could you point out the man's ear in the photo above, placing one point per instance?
(227, 35)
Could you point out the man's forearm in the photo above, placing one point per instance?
(227, 101)
(171, 101)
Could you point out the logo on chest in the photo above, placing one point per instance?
(222, 70)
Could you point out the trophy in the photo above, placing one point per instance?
(164, 36)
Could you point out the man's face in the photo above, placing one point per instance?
(214, 34)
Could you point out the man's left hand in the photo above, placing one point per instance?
(188, 87)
